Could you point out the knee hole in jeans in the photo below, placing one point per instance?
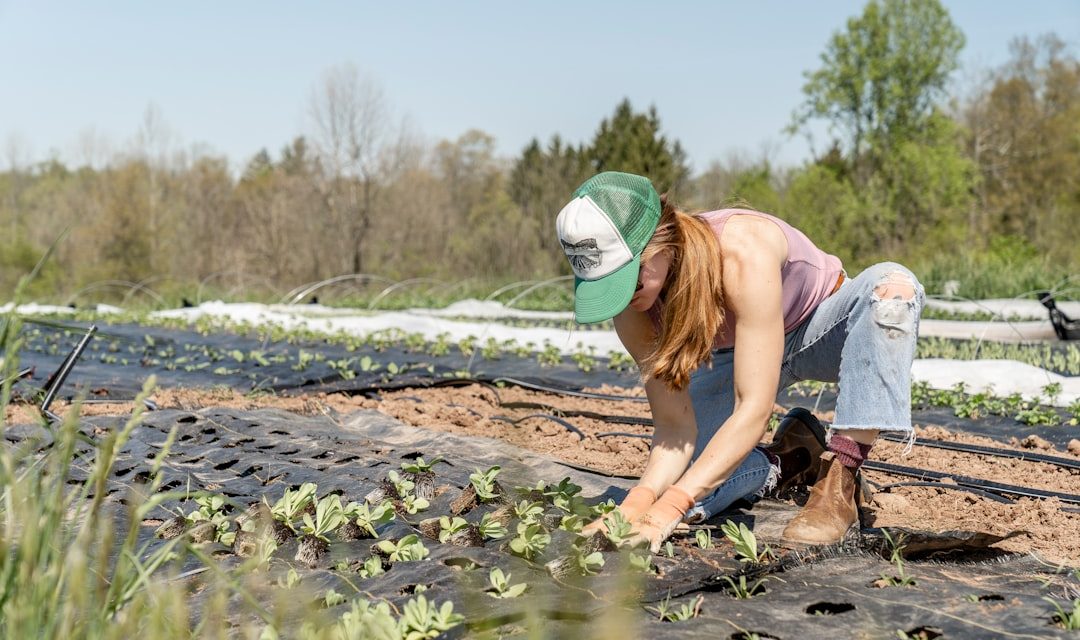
(894, 304)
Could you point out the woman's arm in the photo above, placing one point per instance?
(752, 289)
(674, 428)
(752, 255)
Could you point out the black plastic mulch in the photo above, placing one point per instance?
(246, 455)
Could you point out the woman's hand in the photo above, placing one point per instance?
(634, 505)
(661, 519)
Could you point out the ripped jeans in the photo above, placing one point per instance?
(854, 338)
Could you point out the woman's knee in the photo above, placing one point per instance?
(891, 280)
(896, 299)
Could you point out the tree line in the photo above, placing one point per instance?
(981, 186)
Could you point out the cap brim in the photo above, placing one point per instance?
(603, 299)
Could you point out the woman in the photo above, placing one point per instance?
(720, 310)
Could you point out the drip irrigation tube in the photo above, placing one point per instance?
(986, 485)
(1067, 463)
(611, 434)
(564, 392)
(942, 485)
(566, 425)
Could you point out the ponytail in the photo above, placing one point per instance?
(693, 296)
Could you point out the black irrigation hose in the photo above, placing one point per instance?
(569, 427)
(931, 478)
(1067, 463)
(993, 487)
(566, 392)
(611, 434)
(579, 413)
(465, 382)
(942, 485)
(606, 474)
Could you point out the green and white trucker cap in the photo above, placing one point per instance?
(603, 231)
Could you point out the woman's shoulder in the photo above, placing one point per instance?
(751, 233)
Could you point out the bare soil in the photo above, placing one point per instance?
(1053, 528)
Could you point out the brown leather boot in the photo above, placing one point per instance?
(799, 442)
(831, 509)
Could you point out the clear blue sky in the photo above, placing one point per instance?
(237, 76)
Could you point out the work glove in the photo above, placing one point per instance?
(634, 505)
(661, 519)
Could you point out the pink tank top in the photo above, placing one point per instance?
(808, 276)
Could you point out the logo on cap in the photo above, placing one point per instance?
(584, 255)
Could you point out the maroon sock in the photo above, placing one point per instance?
(851, 454)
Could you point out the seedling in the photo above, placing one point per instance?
(209, 506)
(601, 509)
(572, 523)
(291, 579)
(333, 599)
(367, 518)
(704, 539)
(588, 564)
(585, 361)
(641, 562)
(501, 587)
(329, 515)
(366, 621)
(408, 549)
(565, 490)
(528, 511)
(483, 483)
(742, 590)
(402, 485)
(565, 496)
(412, 504)
(531, 540)
(669, 549)
(289, 507)
(491, 349)
(745, 542)
(419, 465)
(371, 568)
(686, 611)
(441, 346)
(491, 528)
(303, 359)
(901, 579)
(449, 527)
(550, 356)
(619, 529)
(421, 619)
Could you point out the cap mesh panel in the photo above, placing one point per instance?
(630, 201)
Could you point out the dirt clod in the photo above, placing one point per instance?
(171, 528)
